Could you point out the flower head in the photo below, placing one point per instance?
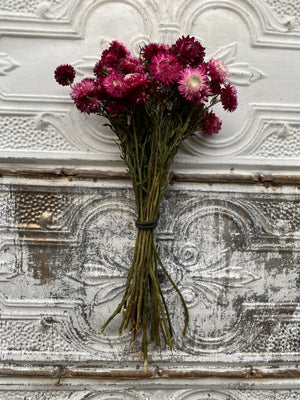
(115, 107)
(115, 84)
(165, 68)
(86, 96)
(131, 64)
(100, 69)
(137, 85)
(152, 49)
(193, 85)
(64, 74)
(188, 51)
(114, 54)
(217, 70)
(229, 97)
(212, 124)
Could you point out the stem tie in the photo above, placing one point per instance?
(147, 224)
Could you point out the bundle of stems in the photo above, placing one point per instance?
(149, 140)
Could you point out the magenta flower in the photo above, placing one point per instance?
(217, 70)
(193, 85)
(100, 69)
(64, 74)
(115, 84)
(188, 51)
(131, 64)
(229, 97)
(212, 124)
(152, 49)
(114, 54)
(115, 107)
(165, 68)
(86, 96)
(137, 85)
(215, 87)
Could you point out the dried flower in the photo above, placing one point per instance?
(64, 74)
(137, 84)
(229, 97)
(115, 84)
(152, 49)
(212, 124)
(188, 51)
(114, 54)
(131, 64)
(217, 70)
(165, 68)
(86, 96)
(193, 85)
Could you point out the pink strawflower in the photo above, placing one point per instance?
(229, 97)
(152, 49)
(115, 84)
(136, 80)
(217, 70)
(131, 64)
(193, 85)
(212, 124)
(64, 74)
(86, 96)
(114, 54)
(188, 51)
(165, 68)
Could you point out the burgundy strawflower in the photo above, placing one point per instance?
(115, 84)
(217, 70)
(115, 107)
(229, 97)
(64, 74)
(86, 96)
(152, 49)
(114, 54)
(100, 69)
(165, 68)
(137, 85)
(188, 51)
(212, 124)
(215, 87)
(131, 64)
(193, 85)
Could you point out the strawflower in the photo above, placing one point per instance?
(152, 49)
(131, 64)
(114, 54)
(212, 124)
(229, 97)
(115, 84)
(193, 85)
(188, 51)
(217, 70)
(165, 68)
(64, 74)
(86, 96)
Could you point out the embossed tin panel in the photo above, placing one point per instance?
(67, 228)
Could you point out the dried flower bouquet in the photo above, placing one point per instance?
(152, 103)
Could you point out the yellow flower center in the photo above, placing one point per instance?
(195, 82)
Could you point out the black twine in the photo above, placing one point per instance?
(146, 224)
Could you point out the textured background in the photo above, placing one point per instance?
(229, 230)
